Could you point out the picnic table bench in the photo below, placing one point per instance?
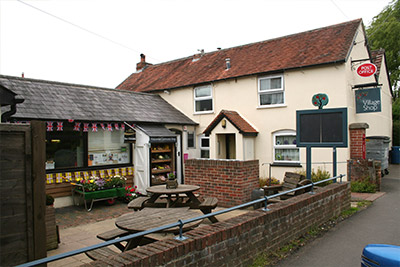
(292, 180)
(182, 196)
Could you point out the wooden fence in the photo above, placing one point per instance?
(22, 193)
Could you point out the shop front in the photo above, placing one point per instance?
(96, 133)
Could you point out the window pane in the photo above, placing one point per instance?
(203, 91)
(205, 154)
(107, 148)
(205, 142)
(64, 149)
(204, 105)
(273, 83)
(287, 154)
(271, 99)
(190, 139)
(285, 140)
(276, 83)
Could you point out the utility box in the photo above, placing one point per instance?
(377, 148)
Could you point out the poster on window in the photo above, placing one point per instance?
(368, 100)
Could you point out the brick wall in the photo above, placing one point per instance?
(357, 140)
(365, 169)
(237, 241)
(231, 181)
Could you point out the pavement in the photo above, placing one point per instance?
(343, 244)
(78, 228)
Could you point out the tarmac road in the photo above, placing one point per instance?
(343, 244)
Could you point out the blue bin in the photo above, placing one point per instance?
(396, 154)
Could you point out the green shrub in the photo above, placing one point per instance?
(363, 186)
(268, 182)
(318, 176)
(49, 200)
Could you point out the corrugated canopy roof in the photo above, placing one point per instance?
(61, 101)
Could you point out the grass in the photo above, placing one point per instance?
(272, 258)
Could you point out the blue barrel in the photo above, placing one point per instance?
(396, 154)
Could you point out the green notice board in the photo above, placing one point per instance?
(368, 100)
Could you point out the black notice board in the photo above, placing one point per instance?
(322, 127)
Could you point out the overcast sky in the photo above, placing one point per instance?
(98, 42)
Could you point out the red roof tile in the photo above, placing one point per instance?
(241, 124)
(315, 47)
(377, 59)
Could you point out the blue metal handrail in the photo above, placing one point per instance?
(179, 223)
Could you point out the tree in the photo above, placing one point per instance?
(384, 32)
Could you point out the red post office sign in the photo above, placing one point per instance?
(366, 70)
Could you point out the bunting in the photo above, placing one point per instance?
(94, 127)
(59, 178)
(49, 126)
(49, 178)
(68, 176)
(109, 127)
(86, 127)
(77, 126)
(59, 126)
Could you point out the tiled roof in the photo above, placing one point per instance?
(61, 101)
(315, 47)
(377, 59)
(233, 117)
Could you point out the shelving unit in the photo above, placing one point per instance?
(162, 158)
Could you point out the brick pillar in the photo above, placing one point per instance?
(357, 140)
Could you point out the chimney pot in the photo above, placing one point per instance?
(142, 64)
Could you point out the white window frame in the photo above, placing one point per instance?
(201, 98)
(271, 91)
(289, 146)
(201, 137)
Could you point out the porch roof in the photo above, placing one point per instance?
(238, 121)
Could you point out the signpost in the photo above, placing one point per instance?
(366, 70)
(368, 100)
(321, 128)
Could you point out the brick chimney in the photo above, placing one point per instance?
(142, 64)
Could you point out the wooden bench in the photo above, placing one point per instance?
(291, 181)
(138, 203)
(102, 254)
(106, 252)
(113, 234)
(208, 204)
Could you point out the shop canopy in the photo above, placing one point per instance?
(158, 133)
(47, 100)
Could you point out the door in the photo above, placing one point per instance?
(142, 162)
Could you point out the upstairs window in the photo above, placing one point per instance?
(203, 102)
(271, 91)
(285, 150)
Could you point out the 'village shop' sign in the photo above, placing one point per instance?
(368, 100)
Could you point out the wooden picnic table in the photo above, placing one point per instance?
(149, 218)
(182, 196)
(174, 195)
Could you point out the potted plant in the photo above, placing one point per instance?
(172, 183)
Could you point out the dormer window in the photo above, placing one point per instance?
(203, 102)
(271, 91)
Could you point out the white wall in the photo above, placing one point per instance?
(336, 80)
